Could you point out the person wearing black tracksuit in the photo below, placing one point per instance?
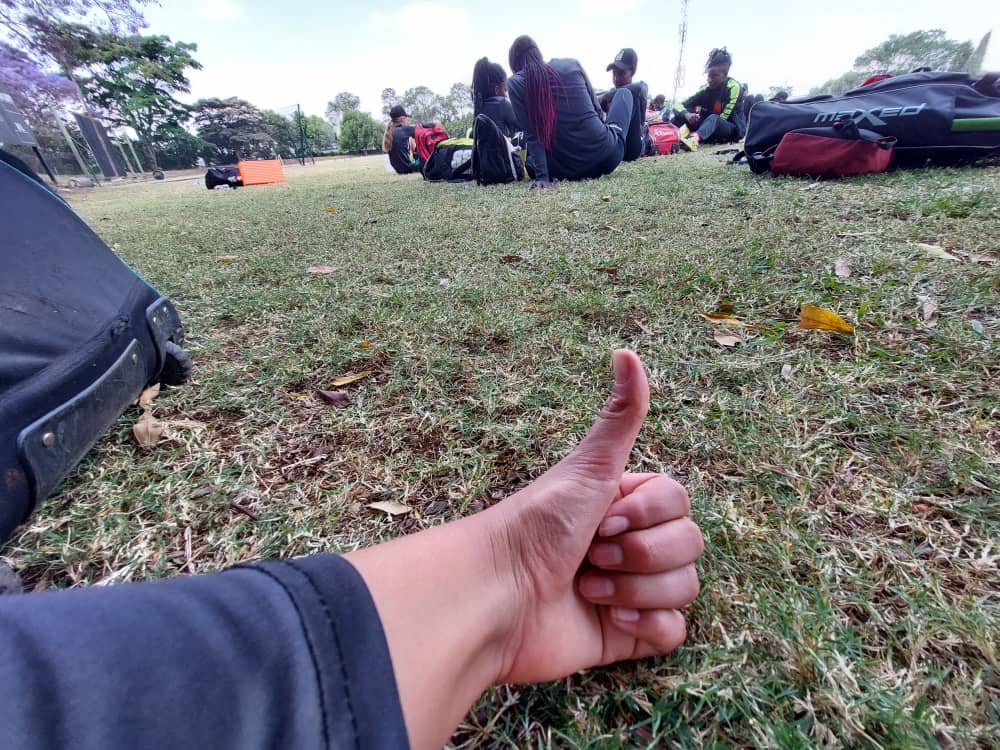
(714, 114)
(581, 143)
(489, 96)
(622, 70)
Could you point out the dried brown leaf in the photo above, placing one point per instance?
(321, 269)
(510, 258)
(724, 320)
(935, 251)
(149, 395)
(929, 310)
(609, 270)
(727, 339)
(606, 198)
(348, 379)
(391, 507)
(842, 268)
(147, 430)
(340, 399)
(787, 371)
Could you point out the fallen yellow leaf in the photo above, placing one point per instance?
(348, 379)
(727, 339)
(820, 319)
(365, 344)
(329, 209)
(391, 507)
(724, 320)
(935, 251)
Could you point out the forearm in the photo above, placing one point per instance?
(446, 612)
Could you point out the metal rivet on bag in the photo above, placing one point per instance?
(49, 439)
(135, 357)
(155, 320)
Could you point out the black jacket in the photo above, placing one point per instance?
(583, 146)
(399, 155)
(273, 655)
(499, 109)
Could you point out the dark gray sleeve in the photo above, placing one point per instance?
(274, 655)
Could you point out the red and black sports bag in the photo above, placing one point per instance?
(942, 118)
(841, 150)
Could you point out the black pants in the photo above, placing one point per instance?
(634, 140)
(713, 129)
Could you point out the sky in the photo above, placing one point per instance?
(306, 51)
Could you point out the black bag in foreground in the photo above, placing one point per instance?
(81, 335)
(942, 118)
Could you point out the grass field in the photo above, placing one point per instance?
(848, 486)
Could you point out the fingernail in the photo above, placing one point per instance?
(595, 587)
(625, 615)
(620, 361)
(606, 555)
(613, 526)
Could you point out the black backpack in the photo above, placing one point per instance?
(451, 161)
(495, 160)
(219, 176)
(944, 118)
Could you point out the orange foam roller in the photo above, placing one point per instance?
(262, 172)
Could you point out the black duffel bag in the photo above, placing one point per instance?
(941, 118)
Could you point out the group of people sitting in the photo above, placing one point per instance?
(572, 133)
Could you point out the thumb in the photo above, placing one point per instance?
(604, 452)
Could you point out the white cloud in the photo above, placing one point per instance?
(219, 11)
(408, 20)
(601, 7)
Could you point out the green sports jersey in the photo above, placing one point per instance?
(718, 101)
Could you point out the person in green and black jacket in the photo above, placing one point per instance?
(713, 114)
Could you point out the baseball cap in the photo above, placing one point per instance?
(397, 111)
(626, 58)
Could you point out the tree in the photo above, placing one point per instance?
(360, 132)
(902, 54)
(134, 80)
(920, 49)
(321, 136)
(389, 100)
(421, 103)
(176, 148)
(49, 33)
(342, 103)
(235, 127)
(27, 81)
(283, 132)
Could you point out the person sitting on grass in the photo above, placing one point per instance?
(566, 134)
(386, 647)
(656, 107)
(713, 114)
(622, 70)
(489, 96)
(399, 144)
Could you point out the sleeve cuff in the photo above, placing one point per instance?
(345, 637)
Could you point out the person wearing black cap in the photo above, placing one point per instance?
(398, 142)
(622, 70)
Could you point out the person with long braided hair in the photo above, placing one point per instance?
(713, 114)
(489, 96)
(566, 134)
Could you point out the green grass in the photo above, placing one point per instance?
(850, 508)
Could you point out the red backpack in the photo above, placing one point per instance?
(427, 138)
(663, 138)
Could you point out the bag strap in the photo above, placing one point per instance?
(987, 85)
